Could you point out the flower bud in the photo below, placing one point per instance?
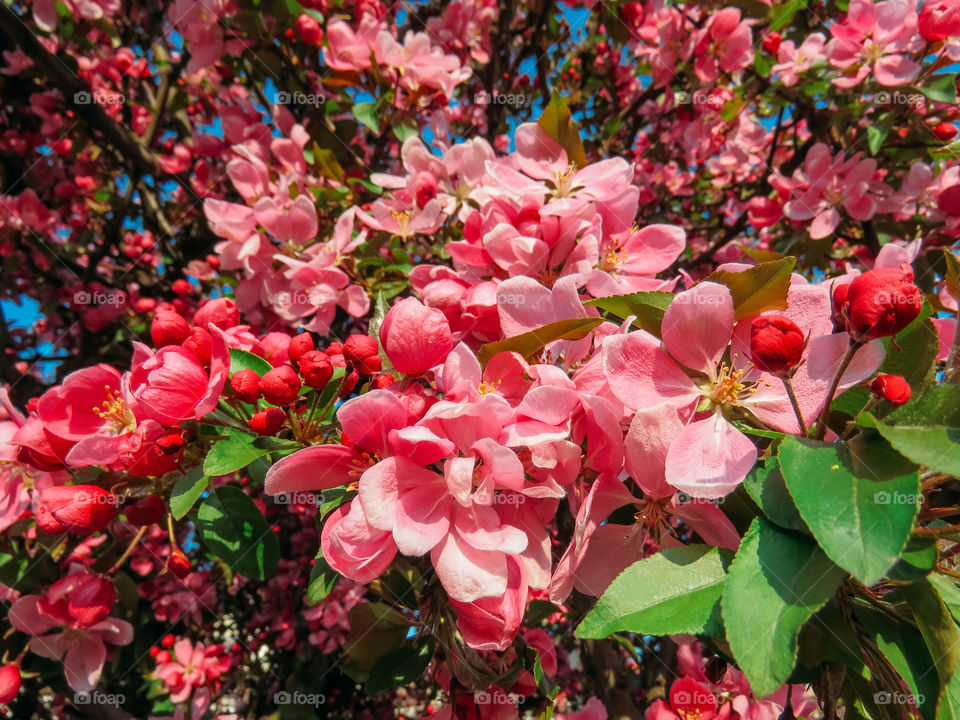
(79, 509)
(280, 386)
(268, 422)
(881, 303)
(316, 369)
(222, 312)
(939, 19)
(771, 43)
(364, 353)
(945, 132)
(169, 328)
(309, 30)
(178, 564)
(246, 385)
(892, 388)
(776, 343)
(299, 346)
(415, 337)
(9, 683)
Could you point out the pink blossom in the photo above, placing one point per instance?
(79, 606)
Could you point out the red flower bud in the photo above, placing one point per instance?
(299, 346)
(222, 312)
(632, 14)
(316, 368)
(168, 641)
(182, 287)
(364, 352)
(280, 385)
(771, 43)
(9, 683)
(246, 385)
(881, 303)
(776, 343)
(939, 19)
(350, 383)
(169, 328)
(892, 388)
(838, 295)
(383, 381)
(80, 509)
(309, 30)
(178, 565)
(945, 132)
(200, 344)
(146, 511)
(171, 441)
(268, 422)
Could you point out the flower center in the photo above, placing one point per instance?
(487, 388)
(403, 220)
(729, 386)
(116, 416)
(563, 181)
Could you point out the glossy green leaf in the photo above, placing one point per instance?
(648, 307)
(775, 584)
(233, 528)
(858, 501)
(323, 578)
(674, 591)
(762, 287)
(186, 492)
(531, 343)
(243, 360)
(765, 484)
(556, 121)
(232, 454)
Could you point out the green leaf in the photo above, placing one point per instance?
(401, 666)
(859, 502)
(949, 706)
(904, 648)
(938, 448)
(949, 592)
(776, 582)
(937, 627)
(878, 132)
(403, 132)
(784, 13)
(556, 121)
(532, 343)
(232, 454)
(938, 405)
(243, 360)
(762, 287)
(366, 115)
(951, 278)
(234, 529)
(765, 484)
(186, 492)
(375, 630)
(675, 591)
(916, 561)
(941, 88)
(323, 578)
(648, 307)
